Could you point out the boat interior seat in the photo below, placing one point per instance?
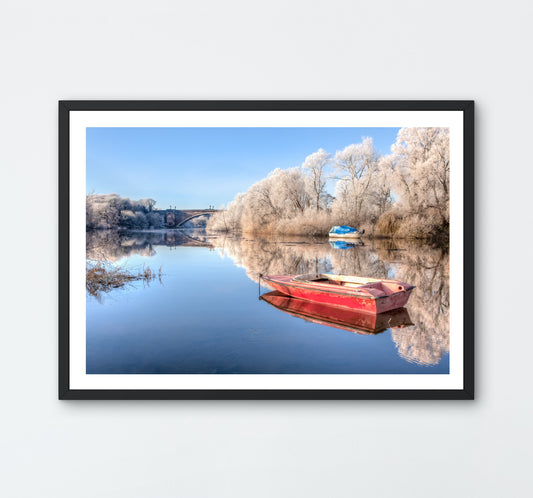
(351, 284)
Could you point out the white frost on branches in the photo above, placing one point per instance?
(422, 170)
(315, 164)
(405, 192)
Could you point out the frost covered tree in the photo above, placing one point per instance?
(155, 220)
(292, 190)
(283, 194)
(382, 191)
(357, 167)
(421, 175)
(232, 216)
(260, 207)
(147, 204)
(316, 164)
(104, 211)
(133, 219)
(228, 219)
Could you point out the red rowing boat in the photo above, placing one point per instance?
(365, 294)
(338, 317)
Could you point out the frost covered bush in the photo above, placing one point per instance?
(410, 226)
(155, 220)
(308, 223)
(228, 219)
(387, 224)
(421, 226)
(104, 211)
(133, 220)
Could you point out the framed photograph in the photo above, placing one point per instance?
(266, 250)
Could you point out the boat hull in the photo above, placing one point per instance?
(348, 298)
(355, 235)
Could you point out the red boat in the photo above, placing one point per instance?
(371, 295)
(338, 317)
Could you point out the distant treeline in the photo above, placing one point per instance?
(402, 194)
(105, 211)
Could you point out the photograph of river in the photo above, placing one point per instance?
(205, 315)
(184, 226)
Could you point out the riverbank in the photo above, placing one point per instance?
(426, 226)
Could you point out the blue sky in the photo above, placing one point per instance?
(197, 167)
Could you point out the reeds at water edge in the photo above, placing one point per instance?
(103, 277)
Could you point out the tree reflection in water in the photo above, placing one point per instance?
(425, 267)
(429, 306)
(112, 245)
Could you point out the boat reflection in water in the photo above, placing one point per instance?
(337, 317)
(343, 244)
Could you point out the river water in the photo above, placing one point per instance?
(205, 314)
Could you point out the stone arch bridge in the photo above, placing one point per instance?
(175, 218)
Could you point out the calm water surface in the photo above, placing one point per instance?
(205, 316)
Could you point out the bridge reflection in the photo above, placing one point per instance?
(112, 245)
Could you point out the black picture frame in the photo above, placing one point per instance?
(464, 106)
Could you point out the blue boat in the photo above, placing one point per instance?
(345, 232)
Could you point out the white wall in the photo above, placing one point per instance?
(270, 50)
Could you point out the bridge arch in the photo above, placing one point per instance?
(181, 223)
